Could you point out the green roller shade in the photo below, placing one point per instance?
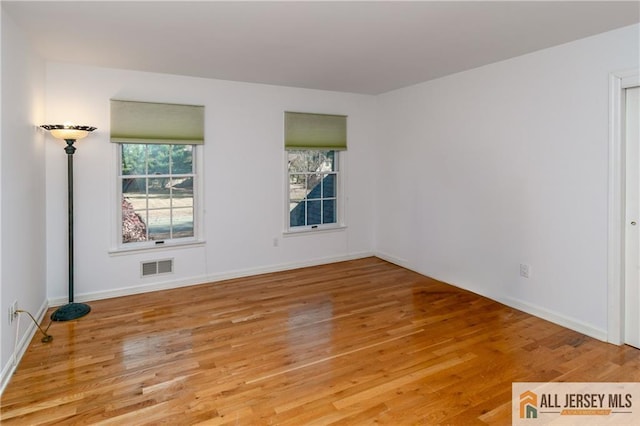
(315, 131)
(148, 122)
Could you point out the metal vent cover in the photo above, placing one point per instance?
(156, 267)
(165, 266)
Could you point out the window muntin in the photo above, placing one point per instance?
(313, 188)
(157, 193)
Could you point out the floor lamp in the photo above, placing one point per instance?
(70, 134)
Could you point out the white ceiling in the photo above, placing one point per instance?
(361, 47)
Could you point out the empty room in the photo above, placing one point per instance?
(245, 213)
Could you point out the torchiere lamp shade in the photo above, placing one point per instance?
(68, 131)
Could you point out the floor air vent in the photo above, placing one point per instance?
(157, 267)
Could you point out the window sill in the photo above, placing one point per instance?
(121, 251)
(309, 231)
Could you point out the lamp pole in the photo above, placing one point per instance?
(70, 134)
(70, 150)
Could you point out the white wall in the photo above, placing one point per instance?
(502, 165)
(244, 180)
(22, 191)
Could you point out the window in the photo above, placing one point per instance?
(313, 188)
(157, 184)
(313, 143)
(158, 145)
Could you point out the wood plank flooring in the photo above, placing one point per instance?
(356, 342)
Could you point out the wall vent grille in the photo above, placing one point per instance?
(156, 267)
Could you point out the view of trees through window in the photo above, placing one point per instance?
(312, 187)
(157, 191)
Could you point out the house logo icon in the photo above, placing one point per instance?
(528, 405)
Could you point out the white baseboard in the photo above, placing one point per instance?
(520, 305)
(203, 279)
(22, 345)
(130, 290)
(554, 317)
(395, 260)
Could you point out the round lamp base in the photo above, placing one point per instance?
(70, 311)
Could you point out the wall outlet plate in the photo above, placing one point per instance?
(13, 311)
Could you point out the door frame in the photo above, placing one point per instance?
(618, 81)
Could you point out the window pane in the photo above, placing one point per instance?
(315, 160)
(297, 213)
(158, 159)
(314, 213)
(183, 223)
(297, 187)
(297, 161)
(181, 159)
(159, 224)
(133, 224)
(133, 157)
(182, 190)
(311, 161)
(328, 162)
(314, 186)
(159, 188)
(329, 211)
(329, 186)
(135, 191)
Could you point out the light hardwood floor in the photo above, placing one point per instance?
(355, 342)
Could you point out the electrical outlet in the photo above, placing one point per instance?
(13, 311)
(525, 270)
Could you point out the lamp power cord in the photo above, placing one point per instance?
(47, 337)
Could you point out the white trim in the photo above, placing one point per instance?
(630, 79)
(204, 279)
(520, 305)
(169, 245)
(131, 290)
(615, 251)
(341, 187)
(615, 211)
(395, 260)
(115, 222)
(553, 317)
(21, 347)
(307, 230)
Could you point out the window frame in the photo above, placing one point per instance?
(339, 171)
(198, 211)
